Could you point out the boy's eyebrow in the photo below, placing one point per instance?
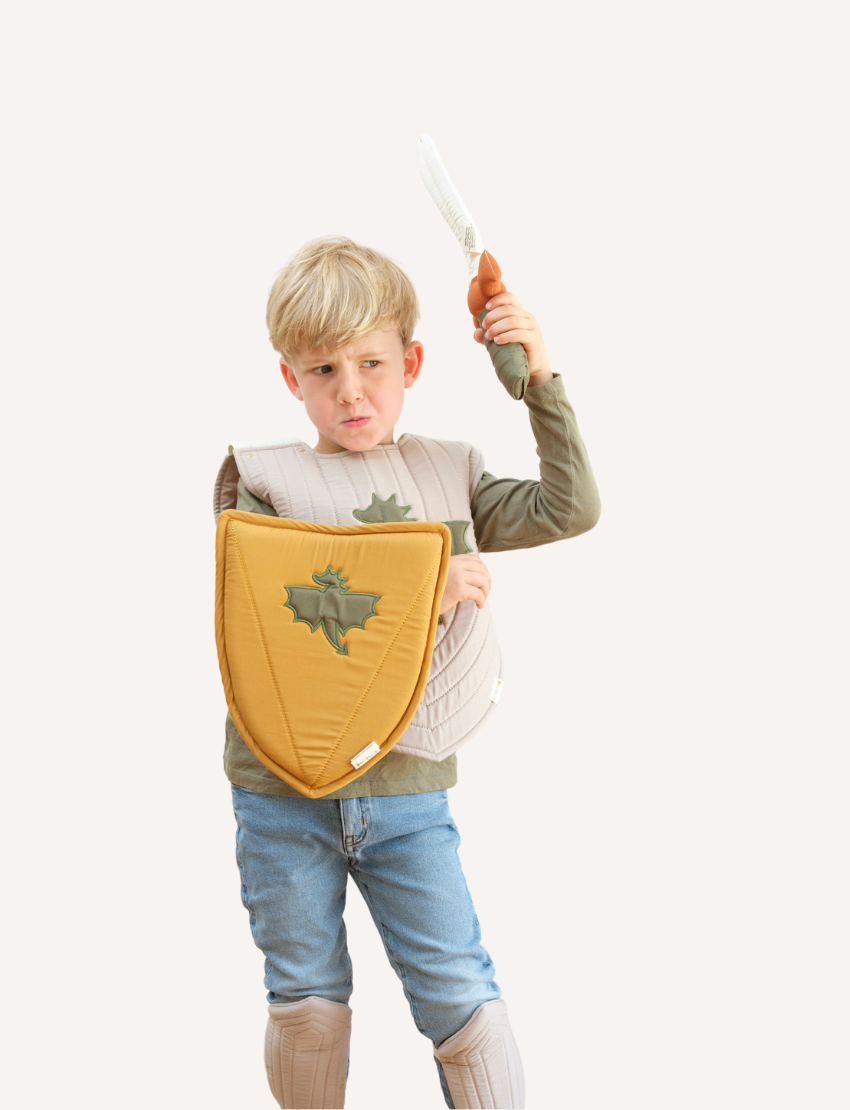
(327, 361)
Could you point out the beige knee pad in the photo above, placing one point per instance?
(482, 1064)
(307, 1053)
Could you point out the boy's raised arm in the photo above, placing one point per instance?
(509, 513)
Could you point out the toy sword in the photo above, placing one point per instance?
(509, 359)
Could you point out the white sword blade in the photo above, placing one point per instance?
(447, 199)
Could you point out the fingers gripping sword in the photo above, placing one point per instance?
(509, 359)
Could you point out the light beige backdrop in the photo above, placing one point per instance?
(665, 187)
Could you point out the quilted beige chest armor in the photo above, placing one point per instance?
(436, 478)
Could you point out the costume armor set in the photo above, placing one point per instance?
(414, 479)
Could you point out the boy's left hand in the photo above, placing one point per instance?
(508, 322)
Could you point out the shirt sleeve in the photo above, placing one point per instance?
(246, 502)
(509, 513)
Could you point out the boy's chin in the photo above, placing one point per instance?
(359, 439)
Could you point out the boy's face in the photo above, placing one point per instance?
(354, 394)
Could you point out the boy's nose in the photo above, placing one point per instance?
(350, 389)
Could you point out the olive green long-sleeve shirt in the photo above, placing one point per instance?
(507, 514)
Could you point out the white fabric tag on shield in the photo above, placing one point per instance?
(365, 755)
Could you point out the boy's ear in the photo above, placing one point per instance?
(291, 380)
(413, 358)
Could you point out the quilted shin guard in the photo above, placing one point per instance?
(307, 1053)
(482, 1064)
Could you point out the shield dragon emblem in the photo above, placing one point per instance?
(325, 635)
(331, 606)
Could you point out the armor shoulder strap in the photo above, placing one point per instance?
(232, 469)
(466, 461)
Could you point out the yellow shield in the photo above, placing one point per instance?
(325, 635)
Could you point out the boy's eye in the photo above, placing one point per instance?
(370, 362)
(322, 369)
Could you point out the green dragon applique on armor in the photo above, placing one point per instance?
(382, 511)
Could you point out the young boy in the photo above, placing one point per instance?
(341, 317)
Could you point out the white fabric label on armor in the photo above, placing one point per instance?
(366, 754)
(470, 239)
(496, 692)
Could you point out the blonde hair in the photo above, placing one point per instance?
(334, 291)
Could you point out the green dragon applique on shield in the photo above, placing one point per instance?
(332, 605)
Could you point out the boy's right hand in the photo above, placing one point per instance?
(469, 580)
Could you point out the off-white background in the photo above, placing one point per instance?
(655, 827)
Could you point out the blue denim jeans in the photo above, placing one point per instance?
(295, 856)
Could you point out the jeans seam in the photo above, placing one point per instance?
(246, 901)
(397, 967)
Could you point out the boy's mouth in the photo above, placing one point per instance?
(356, 422)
